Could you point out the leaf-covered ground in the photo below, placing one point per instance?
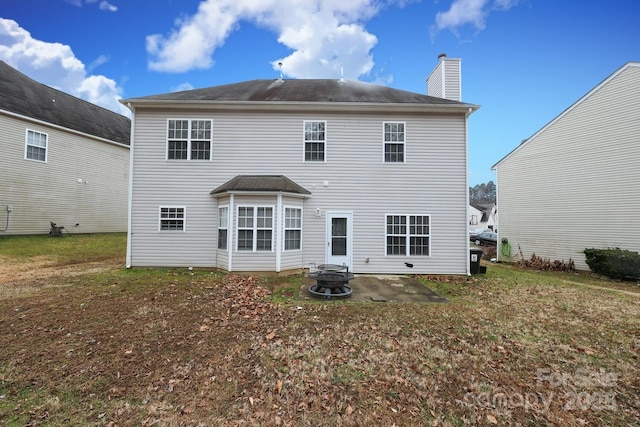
(173, 347)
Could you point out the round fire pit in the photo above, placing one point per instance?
(331, 281)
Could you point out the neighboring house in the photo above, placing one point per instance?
(283, 175)
(575, 183)
(483, 216)
(63, 160)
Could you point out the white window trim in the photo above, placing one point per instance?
(404, 143)
(304, 141)
(285, 229)
(188, 159)
(407, 235)
(255, 228)
(223, 228)
(27, 145)
(184, 219)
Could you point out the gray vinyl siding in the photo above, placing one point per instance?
(445, 80)
(42, 192)
(576, 183)
(353, 178)
(435, 84)
(452, 80)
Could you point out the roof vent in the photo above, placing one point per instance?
(280, 77)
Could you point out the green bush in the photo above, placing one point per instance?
(615, 263)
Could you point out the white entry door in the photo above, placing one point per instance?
(339, 238)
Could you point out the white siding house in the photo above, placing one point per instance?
(63, 160)
(483, 216)
(282, 175)
(575, 183)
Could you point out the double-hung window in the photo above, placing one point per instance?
(315, 141)
(223, 227)
(408, 235)
(36, 146)
(292, 229)
(172, 218)
(394, 140)
(189, 139)
(255, 228)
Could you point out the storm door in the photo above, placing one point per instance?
(339, 236)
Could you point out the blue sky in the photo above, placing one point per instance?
(523, 61)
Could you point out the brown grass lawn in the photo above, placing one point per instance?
(169, 347)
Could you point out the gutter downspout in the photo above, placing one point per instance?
(279, 232)
(130, 201)
(466, 220)
(9, 210)
(230, 241)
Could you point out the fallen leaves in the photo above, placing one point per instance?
(214, 349)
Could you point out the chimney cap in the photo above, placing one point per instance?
(442, 55)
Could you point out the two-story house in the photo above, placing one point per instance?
(63, 160)
(282, 175)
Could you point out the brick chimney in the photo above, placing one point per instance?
(445, 80)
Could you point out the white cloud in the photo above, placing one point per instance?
(102, 59)
(103, 5)
(182, 87)
(468, 12)
(55, 65)
(324, 35)
(107, 7)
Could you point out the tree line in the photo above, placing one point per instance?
(483, 193)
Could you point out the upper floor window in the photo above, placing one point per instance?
(255, 228)
(394, 142)
(189, 139)
(36, 146)
(172, 218)
(408, 235)
(292, 229)
(314, 141)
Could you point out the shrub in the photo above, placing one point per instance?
(615, 263)
(544, 264)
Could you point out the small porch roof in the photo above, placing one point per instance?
(260, 184)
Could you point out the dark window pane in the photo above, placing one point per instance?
(222, 239)
(263, 241)
(292, 239)
(339, 246)
(245, 240)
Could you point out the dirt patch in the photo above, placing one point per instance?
(22, 277)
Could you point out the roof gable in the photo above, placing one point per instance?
(21, 95)
(570, 108)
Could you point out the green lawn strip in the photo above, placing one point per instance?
(70, 249)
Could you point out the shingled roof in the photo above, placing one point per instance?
(260, 183)
(302, 90)
(21, 95)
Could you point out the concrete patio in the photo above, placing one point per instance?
(380, 288)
